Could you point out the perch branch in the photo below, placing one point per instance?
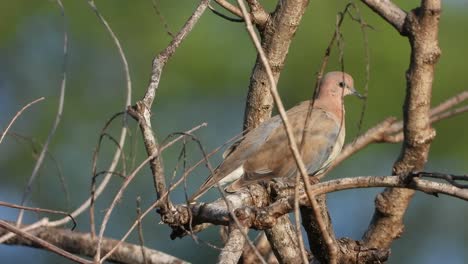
(83, 244)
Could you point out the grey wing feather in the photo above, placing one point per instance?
(333, 139)
(241, 150)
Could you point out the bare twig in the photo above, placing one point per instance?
(390, 130)
(95, 175)
(128, 99)
(4, 133)
(42, 210)
(388, 11)
(123, 133)
(161, 18)
(233, 216)
(129, 94)
(142, 110)
(125, 184)
(449, 103)
(450, 178)
(429, 187)
(58, 117)
(232, 19)
(140, 229)
(230, 7)
(157, 203)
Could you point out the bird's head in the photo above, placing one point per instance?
(338, 84)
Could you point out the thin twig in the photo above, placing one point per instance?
(228, 18)
(125, 184)
(42, 210)
(429, 187)
(142, 110)
(389, 130)
(94, 169)
(235, 220)
(159, 202)
(230, 7)
(162, 19)
(365, 40)
(141, 239)
(58, 117)
(17, 115)
(123, 133)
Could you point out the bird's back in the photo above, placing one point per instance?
(323, 139)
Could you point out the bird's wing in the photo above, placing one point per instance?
(323, 144)
(236, 155)
(324, 138)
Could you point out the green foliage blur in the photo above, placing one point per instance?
(207, 81)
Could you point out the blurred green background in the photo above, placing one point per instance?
(207, 81)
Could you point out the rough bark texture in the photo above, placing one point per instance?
(284, 242)
(317, 245)
(233, 248)
(421, 27)
(277, 36)
(82, 244)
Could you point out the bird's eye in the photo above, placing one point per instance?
(342, 84)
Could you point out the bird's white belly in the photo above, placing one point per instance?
(234, 175)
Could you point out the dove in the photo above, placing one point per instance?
(263, 153)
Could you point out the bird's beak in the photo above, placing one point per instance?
(354, 92)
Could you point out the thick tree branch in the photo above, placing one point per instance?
(422, 27)
(232, 251)
(263, 247)
(317, 244)
(283, 240)
(265, 215)
(286, 12)
(83, 244)
(276, 38)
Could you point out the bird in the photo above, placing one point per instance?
(263, 153)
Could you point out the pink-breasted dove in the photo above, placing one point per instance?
(264, 153)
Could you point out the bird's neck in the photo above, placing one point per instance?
(331, 103)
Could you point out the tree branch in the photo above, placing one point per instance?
(390, 130)
(394, 15)
(143, 107)
(283, 240)
(232, 251)
(83, 244)
(276, 37)
(422, 27)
